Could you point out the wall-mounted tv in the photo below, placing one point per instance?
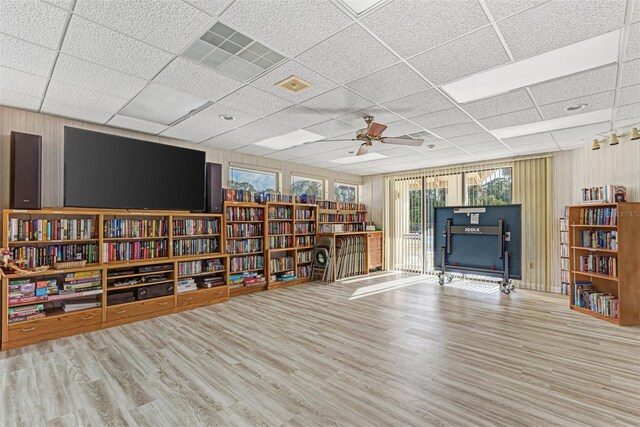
(109, 171)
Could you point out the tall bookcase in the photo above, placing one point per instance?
(244, 225)
(136, 261)
(291, 236)
(604, 247)
(565, 275)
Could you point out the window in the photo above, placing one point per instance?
(488, 187)
(346, 192)
(253, 180)
(309, 186)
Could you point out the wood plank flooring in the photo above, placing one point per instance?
(389, 350)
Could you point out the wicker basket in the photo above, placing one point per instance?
(69, 264)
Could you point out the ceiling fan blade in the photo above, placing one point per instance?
(364, 149)
(375, 129)
(403, 141)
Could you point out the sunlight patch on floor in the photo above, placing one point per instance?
(378, 288)
(368, 277)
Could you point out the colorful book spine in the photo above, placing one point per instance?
(280, 228)
(196, 227)
(278, 265)
(238, 213)
(201, 246)
(50, 229)
(280, 242)
(48, 255)
(247, 262)
(244, 230)
(241, 246)
(128, 251)
(135, 228)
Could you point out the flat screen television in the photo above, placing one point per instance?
(109, 171)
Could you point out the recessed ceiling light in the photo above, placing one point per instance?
(575, 107)
(160, 104)
(359, 159)
(555, 124)
(581, 56)
(226, 117)
(359, 6)
(291, 139)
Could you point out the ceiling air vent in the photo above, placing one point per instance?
(293, 84)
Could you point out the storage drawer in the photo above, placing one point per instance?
(30, 329)
(202, 296)
(138, 308)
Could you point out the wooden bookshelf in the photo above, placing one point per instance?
(246, 220)
(352, 215)
(623, 219)
(565, 275)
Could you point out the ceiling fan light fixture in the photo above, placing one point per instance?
(595, 145)
(613, 140)
(634, 134)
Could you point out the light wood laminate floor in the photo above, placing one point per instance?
(391, 350)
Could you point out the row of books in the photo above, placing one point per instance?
(280, 242)
(51, 229)
(240, 246)
(304, 271)
(564, 250)
(306, 228)
(285, 263)
(187, 284)
(305, 213)
(565, 276)
(280, 212)
(280, 228)
(210, 281)
(288, 276)
(48, 255)
(598, 216)
(564, 237)
(606, 265)
(199, 246)
(246, 279)
(585, 296)
(357, 226)
(237, 213)
(239, 195)
(564, 264)
(359, 217)
(190, 227)
(201, 266)
(305, 256)
(604, 194)
(246, 262)
(564, 288)
(343, 206)
(304, 241)
(117, 228)
(127, 251)
(599, 239)
(244, 230)
(564, 224)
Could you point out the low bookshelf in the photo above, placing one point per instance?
(604, 268)
(244, 225)
(341, 217)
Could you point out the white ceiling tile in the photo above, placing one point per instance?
(501, 104)
(268, 81)
(629, 95)
(32, 20)
(187, 76)
(599, 101)
(136, 124)
(623, 126)
(184, 133)
(212, 7)
(413, 26)
(491, 154)
(64, 4)
(577, 85)
(633, 43)
(169, 25)
(19, 100)
(635, 15)
(96, 77)
(401, 127)
(345, 56)
(467, 55)
(475, 138)
(391, 83)
(249, 134)
(298, 116)
(630, 73)
(289, 28)
(543, 147)
(460, 129)
(337, 102)
(87, 40)
(434, 145)
(255, 150)
(447, 153)
(502, 8)
(560, 23)
(582, 132)
(20, 82)
(68, 109)
(380, 115)
(424, 102)
(628, 111)
(255, 101)
(441, 118)
(522, 141)
(512, 119)
(330, 128)
(82, 98)
(484, 147)
(207, 123)
(25, 56)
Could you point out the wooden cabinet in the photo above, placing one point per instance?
(375, 250)
(58, 325)
(203, 296)
(138, 308)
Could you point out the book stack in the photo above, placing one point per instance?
(289, 276)
(254, 279)
(24, 291)
(196, 227)
(236, 280)
(81, 282)
(214, 264)
(604, 194)
(50, 229)
(599, 239)
(606, 265)
(598, 216)
(132, 228)
(185, 285)
(586, 296)
(26, 312)
(210, 282)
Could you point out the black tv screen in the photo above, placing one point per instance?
(109, 171)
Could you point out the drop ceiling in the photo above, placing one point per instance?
(109, 62)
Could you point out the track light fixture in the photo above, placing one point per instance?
(634, 134)
(595, 145)
(613, 140)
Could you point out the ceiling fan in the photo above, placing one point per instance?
(373, 132)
